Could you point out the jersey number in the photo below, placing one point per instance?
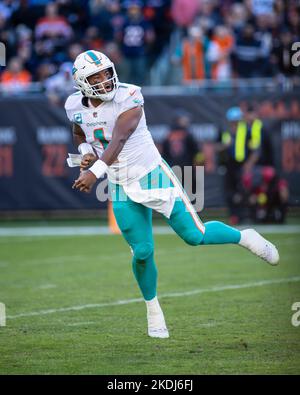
(99, 135)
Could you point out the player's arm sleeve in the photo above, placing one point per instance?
(134, 99)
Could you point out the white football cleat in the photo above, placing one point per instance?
(157, 326)
(259, 246)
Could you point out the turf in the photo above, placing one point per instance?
(232, 331)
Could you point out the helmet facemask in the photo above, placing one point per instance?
(100, 89)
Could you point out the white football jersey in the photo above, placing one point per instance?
(139, 155)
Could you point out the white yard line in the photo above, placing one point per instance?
(42, 231)
(81, 323)
(45, 231)
(167, 295)
(46, 286)
(209, 324)
(39, 231)
(286, 229)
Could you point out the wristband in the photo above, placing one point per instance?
(98, 168)
(85, 148)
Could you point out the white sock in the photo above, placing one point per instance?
(156, 320)
(244, 238)
(153, 306)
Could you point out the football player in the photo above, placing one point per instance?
(110, 130)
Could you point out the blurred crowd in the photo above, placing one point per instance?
(180, 40)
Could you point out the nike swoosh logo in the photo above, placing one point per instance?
(132, 93)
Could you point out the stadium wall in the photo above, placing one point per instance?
(35, 138)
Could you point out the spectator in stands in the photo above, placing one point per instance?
(73, 51)
(25, 14)
(262, 7)
(76, 12)
(44, 70)
(53, 33)
(219, 53)
(247, 54)
(107, 17)
(136, 36)
(15, 78)
(6, 8)
(193, 55)
(235, 17)
(92, 39)
(100, 17)
(184, 12)
(60, 84)
(263, 33)
(157, 13)
(24, 50)
(117, 18)
(113, 51)
(209, 15)
(53, 25)
(293, 18)
(134, 24)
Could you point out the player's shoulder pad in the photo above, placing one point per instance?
(74, 102)
(125, 91)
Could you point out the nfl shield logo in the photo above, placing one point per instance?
(95, 114)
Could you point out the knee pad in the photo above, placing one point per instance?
(193, 238)
(142, 251)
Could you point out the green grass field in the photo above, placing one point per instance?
(217, 329)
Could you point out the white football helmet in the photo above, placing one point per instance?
(91, 62)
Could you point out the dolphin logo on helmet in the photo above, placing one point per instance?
(91, 62)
